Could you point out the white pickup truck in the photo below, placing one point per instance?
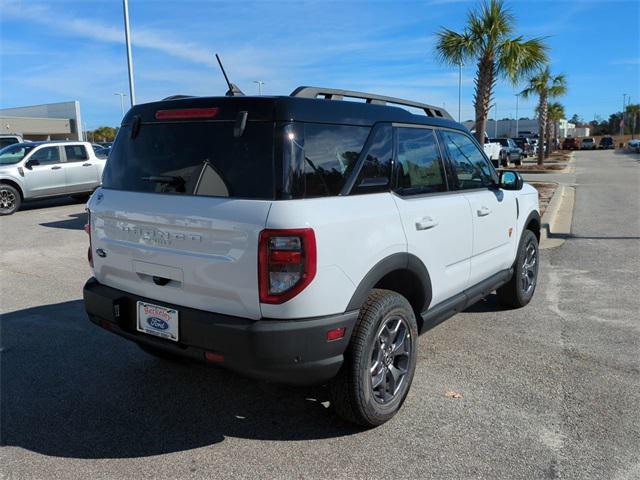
(491, 149)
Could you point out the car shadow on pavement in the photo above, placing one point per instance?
(76, 221)
(51, 202)
(70, 389)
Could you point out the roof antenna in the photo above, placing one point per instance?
(233, 88)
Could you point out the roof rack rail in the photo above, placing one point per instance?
(338, 94)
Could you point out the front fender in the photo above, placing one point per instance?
(15, 179)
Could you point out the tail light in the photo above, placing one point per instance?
(286, 263)
(87, 229)
(186, 113)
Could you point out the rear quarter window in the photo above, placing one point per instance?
(319, 158)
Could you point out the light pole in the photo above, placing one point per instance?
(121, 95)
(260, 83)
(517, 98)
(127, 38)
(493, 105)
(624, 95)
(495, 116)
(459, 89)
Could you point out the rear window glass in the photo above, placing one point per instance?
(75, 153)
(194, 158)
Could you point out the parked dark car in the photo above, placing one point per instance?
(570, 144)
(605, 143)
(510, 152)
(525, 145)
(102, 152)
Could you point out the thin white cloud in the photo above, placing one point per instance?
(101, 32)
(626, 61)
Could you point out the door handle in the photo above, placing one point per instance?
(484, 211)
(426, 223)
(56, 168)
(86, 164)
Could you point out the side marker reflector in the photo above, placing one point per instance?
(213, 357)
(336, 333)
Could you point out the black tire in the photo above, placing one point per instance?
(160, 353)
(518, 291)
(10, 199)
(353, 396)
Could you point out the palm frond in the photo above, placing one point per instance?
(518, 58)
(454, 48)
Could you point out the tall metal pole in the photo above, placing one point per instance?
(127, 37)
(121, 95)
(260, 83)
(624, 95)
(495, 113)
(459, 89)
(517, 98)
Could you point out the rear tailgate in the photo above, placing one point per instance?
(205, 260)
(186, 191)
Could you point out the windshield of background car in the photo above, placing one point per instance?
(14, 153)
(194, 158)
(5, 141)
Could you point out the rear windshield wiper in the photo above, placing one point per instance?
(173, 180)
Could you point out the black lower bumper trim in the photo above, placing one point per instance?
(286, 351)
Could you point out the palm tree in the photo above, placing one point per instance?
(487, 39)
(555, 113)
(545, 86)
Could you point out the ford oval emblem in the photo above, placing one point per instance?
(157, 323)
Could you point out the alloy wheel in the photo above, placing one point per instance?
(529, 268)
(7, 199)
(390, 358)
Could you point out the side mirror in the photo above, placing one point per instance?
(31, 162)
(510, 180)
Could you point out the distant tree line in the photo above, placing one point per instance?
(101, 134)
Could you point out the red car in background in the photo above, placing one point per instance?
(570, 144)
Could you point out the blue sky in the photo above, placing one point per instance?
(61, 50)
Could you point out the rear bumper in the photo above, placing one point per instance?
(294, 352)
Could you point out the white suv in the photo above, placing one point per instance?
(35, 170)
(303, 240)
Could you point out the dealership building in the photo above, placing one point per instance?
(528, 128)
(51, 121)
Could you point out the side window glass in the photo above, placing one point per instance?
(75, 153)
(469, 165)
(419, 164)
(47, 155)
(376, 169)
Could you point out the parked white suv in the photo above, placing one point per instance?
(35, 170)
(303, 240)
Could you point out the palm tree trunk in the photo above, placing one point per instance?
(542, 125)
(547, 149)
(485, 79)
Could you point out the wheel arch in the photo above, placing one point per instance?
(401, 272)
(14, 184)
(533, 223)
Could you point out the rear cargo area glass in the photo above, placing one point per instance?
(194, 158)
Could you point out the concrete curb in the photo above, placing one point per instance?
(556, 221)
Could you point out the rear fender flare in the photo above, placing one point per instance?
(397, 261)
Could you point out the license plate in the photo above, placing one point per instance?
(158, 321)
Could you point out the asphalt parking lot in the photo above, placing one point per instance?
(548, 391)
